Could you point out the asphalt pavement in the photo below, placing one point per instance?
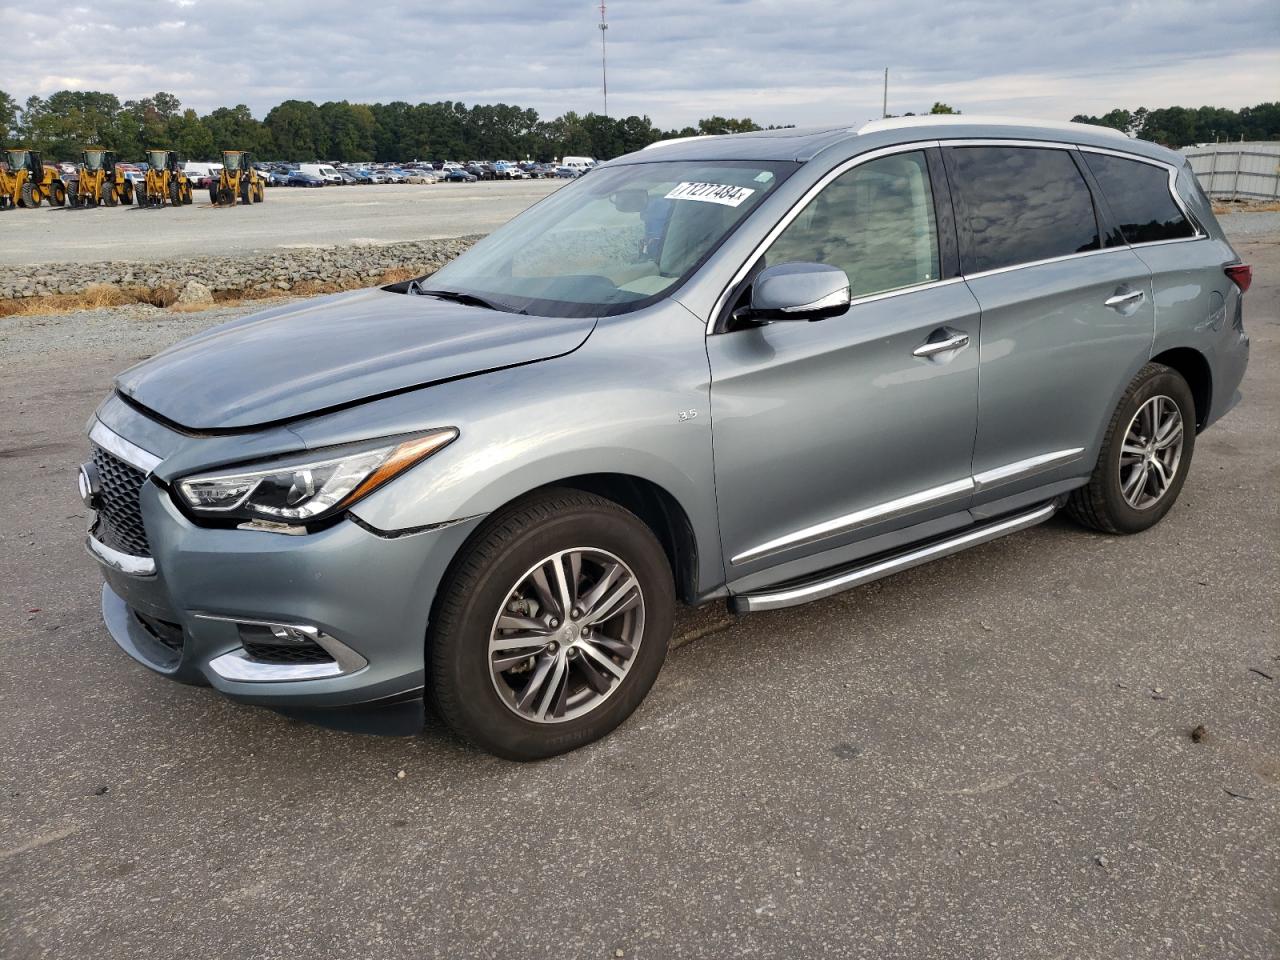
(990, 756)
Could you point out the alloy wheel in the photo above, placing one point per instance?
(566, 635)
(1151, 452)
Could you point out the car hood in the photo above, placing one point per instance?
(302, 359)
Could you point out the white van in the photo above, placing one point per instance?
(580, 164)
(321, 170)
(195, 170)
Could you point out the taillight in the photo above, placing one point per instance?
(1241, 274)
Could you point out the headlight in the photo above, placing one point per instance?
(307, 490)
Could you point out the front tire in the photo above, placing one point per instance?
(1145, 458)
(528, 663)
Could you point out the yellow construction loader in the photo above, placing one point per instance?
(99, 181)
(238, 181)
(28, 182)
(165, 181)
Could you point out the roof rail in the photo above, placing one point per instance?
(944, 119)
(663, 143)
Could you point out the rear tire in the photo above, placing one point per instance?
(175, 193)
(244, 192)
(480, 699)
(57, 194)
(1145, 457)
(30, 198)
(73, 195)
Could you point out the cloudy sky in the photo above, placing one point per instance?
(776, 61)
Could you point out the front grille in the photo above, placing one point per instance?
(120, 515)
(287, 653)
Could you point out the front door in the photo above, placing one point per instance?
(833, 432)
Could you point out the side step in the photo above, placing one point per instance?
(850, 577)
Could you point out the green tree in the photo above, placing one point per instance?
(722, 125)
(297, 130)
(940, 107)
(8, 117)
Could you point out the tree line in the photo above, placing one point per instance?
(1182, 126)
(61, 125)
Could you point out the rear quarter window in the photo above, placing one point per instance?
(1021, 204)
(1139, 198)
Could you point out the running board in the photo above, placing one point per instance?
(857, 576)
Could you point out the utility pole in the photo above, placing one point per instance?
(884, 106)
(604, 63)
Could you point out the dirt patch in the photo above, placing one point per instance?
(111, 295)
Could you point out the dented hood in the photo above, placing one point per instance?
(301, 359)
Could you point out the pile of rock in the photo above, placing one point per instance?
(197, 279)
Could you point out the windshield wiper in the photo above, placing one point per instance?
(457, 297)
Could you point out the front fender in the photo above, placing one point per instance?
(633, 400)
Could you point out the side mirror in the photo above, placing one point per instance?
(799, 291)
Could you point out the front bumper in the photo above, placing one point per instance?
(370, 593)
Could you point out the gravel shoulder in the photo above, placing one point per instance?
(988, 756)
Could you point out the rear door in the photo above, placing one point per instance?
(1067, 313)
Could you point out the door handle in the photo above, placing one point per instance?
(955, 341)
(1120, 299)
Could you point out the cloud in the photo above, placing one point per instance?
(777, 61)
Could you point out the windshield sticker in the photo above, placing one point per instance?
(722, 193)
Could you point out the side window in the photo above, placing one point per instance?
(1138, 194)
(1022, 204)
(875, 222)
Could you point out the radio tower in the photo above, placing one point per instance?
(604, 63)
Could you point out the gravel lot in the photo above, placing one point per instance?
(984, 757)
(290, 219)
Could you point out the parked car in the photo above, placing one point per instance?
(379, 176)
(302, 178)
(348, 178)
(361, 176)
(910, 340)
(394, 175)
(459, 175)
(567, 173)
(481, 170)
(278, 178)
(420, 176)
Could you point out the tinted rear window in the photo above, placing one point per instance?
(1138, 194)
(1021, 204)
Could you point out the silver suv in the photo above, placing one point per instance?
(758, 369)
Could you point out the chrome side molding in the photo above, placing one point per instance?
(978, 483)
(1025, 468)
(861, 518)
(816, 590)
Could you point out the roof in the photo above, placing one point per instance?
(805, 143)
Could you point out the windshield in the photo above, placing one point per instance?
(93, 159)
(614, 241)
(230, 161)
(156, 158)
(17, 159)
